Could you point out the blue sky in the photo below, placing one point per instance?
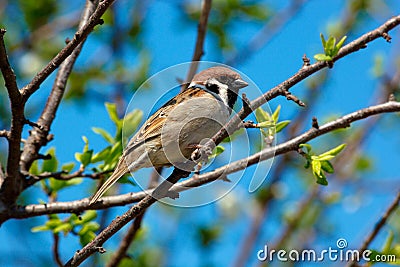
(349, 88)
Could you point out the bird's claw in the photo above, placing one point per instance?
(201, 153)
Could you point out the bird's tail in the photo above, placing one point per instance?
(119, 171)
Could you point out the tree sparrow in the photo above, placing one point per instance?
(171, 134)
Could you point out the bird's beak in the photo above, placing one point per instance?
(239, 83)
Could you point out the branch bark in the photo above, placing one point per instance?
(379, 225)
(307, 70)
(96, 244)
(11, 185)
(79, 37)
(201, 35)
(135, 226)
(39, 137)
(290, 145)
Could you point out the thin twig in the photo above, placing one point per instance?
(38, 137)
(56, 250)
(246, 248)
(96, 244)
(134, 228)
(11, 184)
(379, 225)
(233, 124)
(302, 74)
(4, 133)
(201, 35)
(79, 37)
(267, 153)
(273, 26)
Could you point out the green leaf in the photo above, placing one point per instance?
(112, 112)
(322, 157)
(85, 157)
(34, 169)
(266, 124)
(89, 227)
(104, 134)
(86, 238)
(330, 46)
(65, 227)
(102, 155)
(322, 57)
(68, 167)
(50, 165)
(322, 181)
(339, 45)
(307, 146)
(316, 167)
(53, 223)
(88, 216)
(40, 228)
(327, 166)
(131, 122)
(281, 125)
(275, 115)
(262, 115)
(86, 140)
(56, 185)
(113, 156)
(323, 41)
(73, 182)
(217, 150)
(255, 11)
(334, 151)
(388, 243)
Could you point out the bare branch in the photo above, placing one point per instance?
(38, 137)
(7, 71)
(291, 145)
(4, 133)
(134, 228)
(79, 37)
(302, 74)
(56, 249)
(96, 244)
(11, 184)
(379, 225)
(273, 26)
(201, 35)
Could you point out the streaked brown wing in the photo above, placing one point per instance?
(152, 127)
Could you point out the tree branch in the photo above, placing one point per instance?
(273, 26)
(134, 228)
(4, 133)
(38, 137)
(201, 35)
(378, 226)
(267, 153)
(79, 37)
(95, 245)
(56, 250)
(11, 184)
(303, 73)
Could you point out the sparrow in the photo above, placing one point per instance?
(174, 131)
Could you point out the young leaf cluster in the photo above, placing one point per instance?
(320, 164)
(331, 48)
(269, 124)
(82, 226)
